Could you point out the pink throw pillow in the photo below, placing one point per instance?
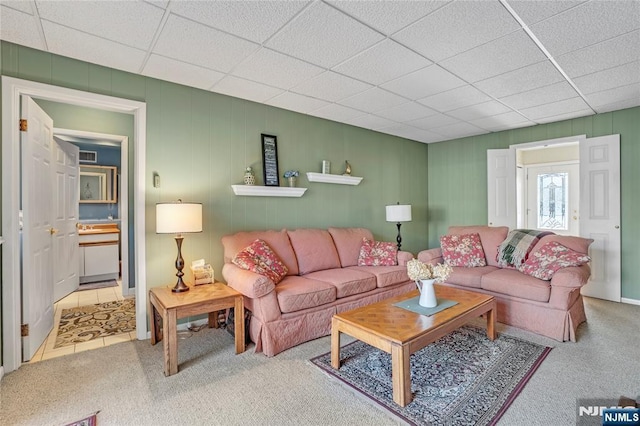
(463, 250)
(552, 256)
(259, 258)
(377, 253)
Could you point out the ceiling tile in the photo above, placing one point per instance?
(130, 23)
(457, 27)
(370, 121)
(331, 87)
(388, 16)
(540, 96)
(566, 116)
(535, 11)
(497, 57)
(605, 55)
(554, 108)
(406, 112)
(253, 20)
(422, 83)
(459, 130)
(323, 36)
(629, 103)
(245, 89)
(195, 43)
(383, 62)
(295, 102)
(373, 100)
(508, 120)
(484, 109)
(180, 72)
(619, 94)
(21, 5)
(336, 112)
(587, 24)
(275, 69)
(413, 133)
(20, 28)
(454, 99)
(521, 80)
(609, 79)
(436, 120)
(78, 45)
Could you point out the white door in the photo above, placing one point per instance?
(501, 187)
(65, 240)
(37, 240)
(553, 198)
(600, 214)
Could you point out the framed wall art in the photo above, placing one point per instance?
(270, 160)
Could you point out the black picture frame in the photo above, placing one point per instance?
(270, 160)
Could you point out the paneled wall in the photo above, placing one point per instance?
(458, 178)
(200, 142)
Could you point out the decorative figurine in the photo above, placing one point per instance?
(249, 178)
(347, 170)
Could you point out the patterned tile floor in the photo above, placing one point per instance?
(81, 298)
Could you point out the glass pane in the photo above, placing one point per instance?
(552, 200)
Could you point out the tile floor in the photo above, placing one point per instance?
(81, 298)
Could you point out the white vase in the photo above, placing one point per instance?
(427, 293)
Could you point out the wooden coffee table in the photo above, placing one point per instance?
(401, 332)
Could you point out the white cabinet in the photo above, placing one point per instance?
(99, 256)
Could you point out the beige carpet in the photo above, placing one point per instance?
(89, 322)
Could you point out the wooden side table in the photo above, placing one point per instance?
(165, 307)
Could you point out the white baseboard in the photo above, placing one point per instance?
(185, 326)
(1, 372)
(630, 301)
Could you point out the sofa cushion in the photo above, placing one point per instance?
(296, 293)
(346, 281)
(579, 244)
(463, 250)
(259, 258)
(490, 236)
(378, 253)
(552, 256)
(386, 275)
(314, 250)
(469, 277)
(277, 240)
(515, 283)
(348, 242)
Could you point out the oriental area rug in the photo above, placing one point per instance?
(85, 323)
(461, 379)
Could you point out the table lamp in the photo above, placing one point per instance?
(178, 218)
(399, 213)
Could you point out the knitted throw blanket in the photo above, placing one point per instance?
(513, 251)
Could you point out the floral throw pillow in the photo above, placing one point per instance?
(552, 256)
(463, 250)
(259, 258)
(377, 253)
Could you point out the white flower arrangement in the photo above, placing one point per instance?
(291, 173)
(422, 271)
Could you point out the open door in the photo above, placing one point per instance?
(66, 209)
(36, 138)
(501, 187)
(600, 214)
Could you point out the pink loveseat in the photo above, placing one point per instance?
(552, 308)
(323, 279)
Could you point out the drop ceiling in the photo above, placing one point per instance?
(423, 70)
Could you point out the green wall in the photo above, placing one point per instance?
(458, 178)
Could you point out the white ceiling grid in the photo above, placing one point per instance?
(424, 70)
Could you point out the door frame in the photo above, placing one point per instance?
(123, 194)
(12, 90)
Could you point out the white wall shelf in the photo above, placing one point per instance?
(267, 191)
(329, 178)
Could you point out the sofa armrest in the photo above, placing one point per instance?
(404, 257)
(572, 276)
(246, 282)
(431, 256)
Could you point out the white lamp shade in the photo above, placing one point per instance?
(399, 213)
(178, 218)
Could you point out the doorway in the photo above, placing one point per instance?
(12, 91)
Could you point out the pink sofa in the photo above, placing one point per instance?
(323, 279)
(552, 308)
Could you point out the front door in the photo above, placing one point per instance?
(37, 233)
(65, 240)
